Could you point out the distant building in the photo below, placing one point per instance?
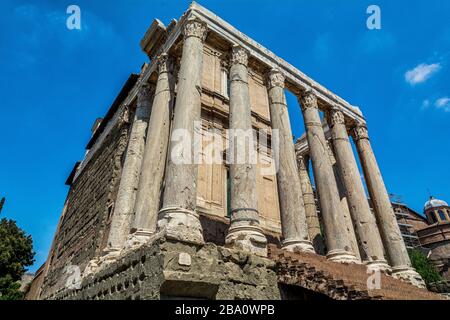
(409, 222)
(436, 235)
(430, 231)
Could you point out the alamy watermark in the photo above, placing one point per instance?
(374, 20)
(73, 21)
(235, 146)
(374, 279)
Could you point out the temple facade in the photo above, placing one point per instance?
(163, 206)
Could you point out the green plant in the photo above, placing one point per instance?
(423, 266)
(16, 253)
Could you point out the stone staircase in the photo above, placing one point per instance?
(340, 281)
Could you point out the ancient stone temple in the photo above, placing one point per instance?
(149, 217)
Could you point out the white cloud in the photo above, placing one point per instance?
(443, 103)
(440, 104)
(421, 73)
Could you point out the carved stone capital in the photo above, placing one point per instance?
(163, 63)
(239, 56)
(308, 99)
(195, 28)
(144, 94)
(360, 132)
(276, 79)
(336, 117)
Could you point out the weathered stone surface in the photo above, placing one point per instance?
(363, 220)
(154, 271)
(245, 232)
(292, 207)
(338, 244)
(312, 218)
(387, 222)
(123, 209)
(341, 281)
(351, 234)
(155, 154)
(178, 215)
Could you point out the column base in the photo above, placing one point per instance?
(111, 254)
(180, 224)
(378, 265)
(92, 267)
(342, 256)
(408, 274)
(247, 238)
(296, 245)
(138, 238)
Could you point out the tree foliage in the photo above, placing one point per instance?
(16, 253)
(423, 266)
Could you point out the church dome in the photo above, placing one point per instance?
(434, 203)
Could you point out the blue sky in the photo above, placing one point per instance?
(55, 82)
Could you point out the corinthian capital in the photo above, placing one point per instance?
(336, 116)
(276, 79)
(360, 132)
(308, 99)
(239, 56)
(195, 28)
(163, 62)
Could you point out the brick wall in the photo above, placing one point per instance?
(90, 203)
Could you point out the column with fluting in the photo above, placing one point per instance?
(244, 232)
(123, 210)
(154, 162)
(292, 207)
(387, 222)
(178, 216)
(338, 244)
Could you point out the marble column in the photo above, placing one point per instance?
(312, 217)
(178, 216)
(292, 207)
(244, 232)
(387, 222)
(338, 244)
(344, 204)
(370, 243)
(122, 214)
(155, 153)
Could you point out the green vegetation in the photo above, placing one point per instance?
(16, 253)
(423, 266)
